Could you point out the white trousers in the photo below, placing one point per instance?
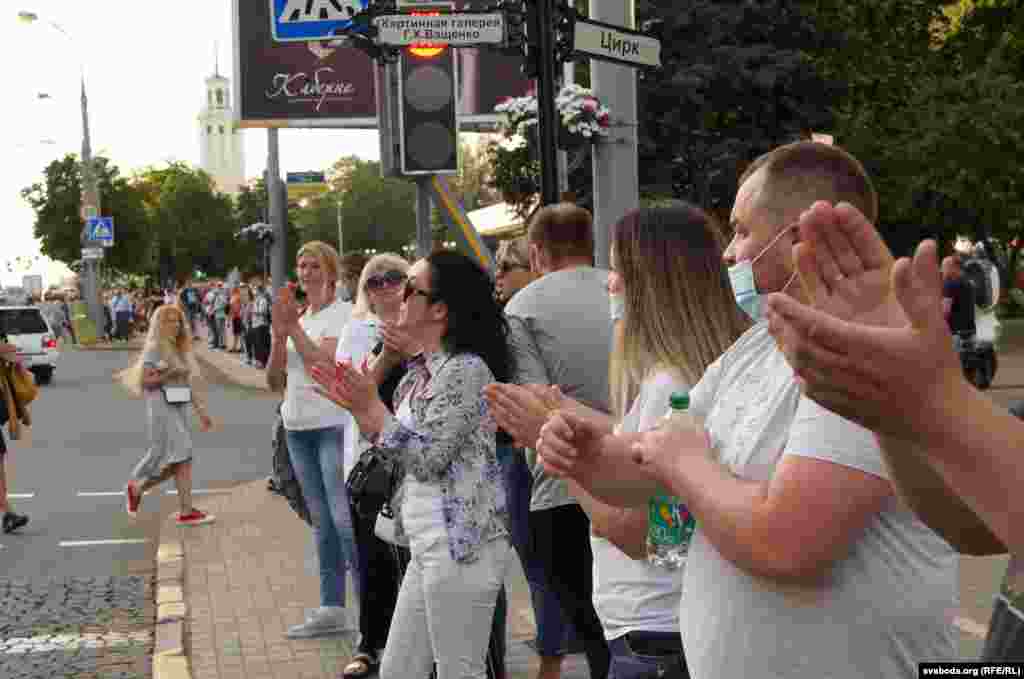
(444, 613)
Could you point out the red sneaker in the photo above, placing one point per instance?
(133, 498)
(195, 518)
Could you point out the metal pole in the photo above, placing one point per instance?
(278, 212)
(568, 78)
(424, 237)
(547, 116)
(90, 208)
(616, 169)
(341, 237)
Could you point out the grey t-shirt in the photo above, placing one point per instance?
(886, 607)
(561, 334)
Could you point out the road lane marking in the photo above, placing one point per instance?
(21, 496)
(101, 493)
(204, 491)
(93, 543)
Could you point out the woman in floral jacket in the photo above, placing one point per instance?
(451, 506)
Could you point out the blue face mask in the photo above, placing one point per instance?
(744, 286)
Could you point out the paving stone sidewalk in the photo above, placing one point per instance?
(252, 574)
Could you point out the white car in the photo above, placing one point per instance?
(27, 329)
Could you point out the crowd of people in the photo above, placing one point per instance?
(828, 521)
(841, 465)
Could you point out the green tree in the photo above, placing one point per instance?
(194, 225)
(376, 212)
(736, 81)
(57, 203)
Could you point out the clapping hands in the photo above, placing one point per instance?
(522, 410)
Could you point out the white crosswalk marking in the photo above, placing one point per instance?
(98, 543)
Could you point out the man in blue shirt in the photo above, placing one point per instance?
(121, 305)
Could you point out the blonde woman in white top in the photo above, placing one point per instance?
(315, 426)
(378, 302)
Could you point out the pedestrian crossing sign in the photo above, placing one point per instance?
(101, 230)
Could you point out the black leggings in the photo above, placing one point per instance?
(560, 542)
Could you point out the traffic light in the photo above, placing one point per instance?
(531, 53)
(515, 22)
(428, 126)
(565, 26)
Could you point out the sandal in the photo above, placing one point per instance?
(361, 665)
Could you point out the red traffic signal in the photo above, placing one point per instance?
(426, 50)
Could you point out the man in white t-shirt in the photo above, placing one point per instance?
(805, 564)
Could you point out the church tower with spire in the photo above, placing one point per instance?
(221, 152)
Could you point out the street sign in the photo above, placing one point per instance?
(305, 177)
(100, 230)
(615, 43)
(457, 30)
(304, 20)
(92, 253)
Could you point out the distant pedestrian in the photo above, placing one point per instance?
(260, 327)
(189, 300)
(220, 315)
(167, 365)
(66, 307)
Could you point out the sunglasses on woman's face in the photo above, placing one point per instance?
(379, 281)
(411, 290)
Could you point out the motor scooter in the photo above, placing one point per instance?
(978, 354)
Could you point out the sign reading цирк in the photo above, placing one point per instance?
(611, 43)
(451, 29)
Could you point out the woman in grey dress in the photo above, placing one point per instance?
(167, 361)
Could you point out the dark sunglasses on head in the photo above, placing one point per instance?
(506, 267)
(379, 281)
(411, 290)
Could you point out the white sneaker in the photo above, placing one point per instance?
(323, 621)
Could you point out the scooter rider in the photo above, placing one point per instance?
(958, 302)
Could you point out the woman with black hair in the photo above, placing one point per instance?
(452, 504)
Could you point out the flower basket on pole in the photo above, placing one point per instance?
(515, 168)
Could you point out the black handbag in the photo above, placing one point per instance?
(371, 483)
(285, 481)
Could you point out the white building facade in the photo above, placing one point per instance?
(221, 151)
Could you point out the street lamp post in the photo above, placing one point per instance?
(341, 237)
(90, 190)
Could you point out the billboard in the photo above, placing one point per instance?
(325, 84)
(297, 84)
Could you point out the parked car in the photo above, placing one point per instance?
(28, 329)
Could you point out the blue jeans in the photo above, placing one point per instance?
(646, 655)
(553, 630)
(316, 455)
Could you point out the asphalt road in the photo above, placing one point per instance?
(86, 436)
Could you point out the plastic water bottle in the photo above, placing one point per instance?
(670, 525)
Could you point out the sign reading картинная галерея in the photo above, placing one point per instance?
(450, 29)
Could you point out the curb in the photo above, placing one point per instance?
(170, 660)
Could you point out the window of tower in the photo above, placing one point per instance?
(220, 99)
(209, 129)
(222, 129)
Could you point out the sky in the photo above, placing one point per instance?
(145, 62)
